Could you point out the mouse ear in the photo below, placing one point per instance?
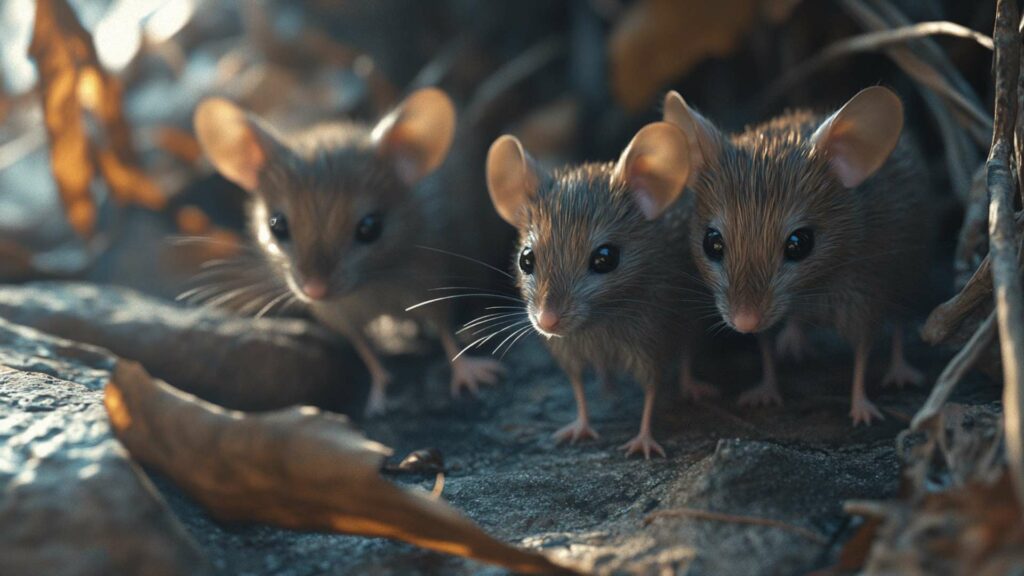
(236, 142)
(512, 178)
(655, 166)
(417, 134)
(704, 139)
(859, 138)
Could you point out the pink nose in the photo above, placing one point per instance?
(548, 320)
(315, 289)
(745, 320)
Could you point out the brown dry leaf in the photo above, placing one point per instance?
(72, 83)
(657, 41)
(297, 468)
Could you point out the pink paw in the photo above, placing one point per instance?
(791, 343)
(376, 403)
(696, 390)
(863, 410)
(577, 431)
(901, 373)
(643, 443)
(764, 394)
(468, 373)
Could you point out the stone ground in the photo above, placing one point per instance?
(587, 503)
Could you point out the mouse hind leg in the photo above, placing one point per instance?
(380, 378)
(767, 392)
(900, 372)
(689, 386)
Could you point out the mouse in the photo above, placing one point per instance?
(598, 264)
(814, 220)
(341, 213)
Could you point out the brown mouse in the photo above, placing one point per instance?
(598, 263)
(340, 212)
(818, 220)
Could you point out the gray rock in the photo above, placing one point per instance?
(71, 501)
(235, 362)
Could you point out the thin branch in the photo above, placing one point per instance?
(735, 519)
(1002, 234)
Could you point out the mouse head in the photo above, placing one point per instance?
(776, 211)
(588, 242)
(332, 208)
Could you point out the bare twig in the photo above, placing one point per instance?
(955, 370)
(735, 519)
(1002, 234)
(947, 317)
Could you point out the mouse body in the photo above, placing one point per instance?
(598, 263)
(811, 220)
(342, 212)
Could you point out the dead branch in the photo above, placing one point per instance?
(298, 468)
(735, 519)
(948, 316)
(1002, 234)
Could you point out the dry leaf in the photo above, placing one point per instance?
(73, 83)
(657, 41)
(298, 468)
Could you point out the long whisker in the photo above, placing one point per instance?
(478, 295)
(469, 259)
(523, 332)
(270, 305)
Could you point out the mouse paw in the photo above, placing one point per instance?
(643, 443)
(902, 373)
(577, 431)
(863, 410)
(697, 390)
(376, 402)
(791, 343)
(469, 373)
(764, 394)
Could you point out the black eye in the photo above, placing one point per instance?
(369, 228)
(799, 244)
(526, 260)
(714, 244)
(604, 259)
(279, 226)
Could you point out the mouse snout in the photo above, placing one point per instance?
(745, 320)
(314, 288)
(548, 320)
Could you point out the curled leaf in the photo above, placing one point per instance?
(297, 468)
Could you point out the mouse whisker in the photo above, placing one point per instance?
(469, 259)
(270, 305)
(520, 334)
(455, 296)
(510, 337)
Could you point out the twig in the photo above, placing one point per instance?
(955, 370)
(948, 316)
(1002, 234)
(735, 519)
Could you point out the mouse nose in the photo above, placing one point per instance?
(745, 320)
(315, 288)
(547, 320)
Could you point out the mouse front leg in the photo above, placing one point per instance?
(469, 372)
(900, 371)
(379, 375)
(862, 410)
(791, 343)
(689, 386)
(767, 392)
(579, 429)
(644, 441)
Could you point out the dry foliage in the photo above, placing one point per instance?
(660, 40)
(297, 468)
(73, 84)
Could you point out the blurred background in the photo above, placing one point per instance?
(98, 164)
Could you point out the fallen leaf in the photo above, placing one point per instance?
(297, 468)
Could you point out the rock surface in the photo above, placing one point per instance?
(795, 465)
(71, 501)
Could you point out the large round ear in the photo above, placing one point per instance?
(417, 134)
(655, 166)
(237, 143)
(703, 138)
(859, 138)
(512, 178)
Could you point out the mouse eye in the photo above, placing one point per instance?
(278, 226)
(714, 244)
(604, 259)
(526, 260)
(369, 228)
(799, 244)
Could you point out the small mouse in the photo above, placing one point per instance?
(341, 211)
(817, 220)
(601, 263)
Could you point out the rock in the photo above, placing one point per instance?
(71, 501)
(236, 362)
